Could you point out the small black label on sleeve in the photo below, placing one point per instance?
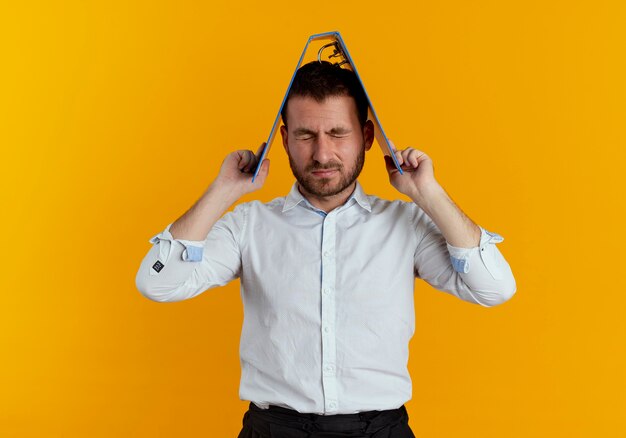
(158, 266)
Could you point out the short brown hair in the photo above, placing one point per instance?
(321, 79)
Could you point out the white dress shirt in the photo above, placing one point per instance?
(328, 297)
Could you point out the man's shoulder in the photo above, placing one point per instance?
(380, 205)
(255, 204)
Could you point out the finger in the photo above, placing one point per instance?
(260, 150)
(399, 157)
(251, 161)
(263, 172)
(405, 153)
(265, 168)
(389, 164)
(242, 159)
(418, 156)
(412, 156)
(254, 159)
(396, 152)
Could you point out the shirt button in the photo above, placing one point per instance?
(326, 329)
(326, 290)
(332, 405)
(326, 253)
(328, 368)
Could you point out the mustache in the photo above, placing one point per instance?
(327, 166)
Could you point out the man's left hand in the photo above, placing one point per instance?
(418, 173)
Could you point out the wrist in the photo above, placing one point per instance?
(428, 195)
(224, 194)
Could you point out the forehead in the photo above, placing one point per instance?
(332, 111)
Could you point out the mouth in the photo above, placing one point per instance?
(324, 173)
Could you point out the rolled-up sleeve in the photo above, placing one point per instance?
(179, 269)
(479, 275)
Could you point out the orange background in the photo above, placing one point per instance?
(115, 117)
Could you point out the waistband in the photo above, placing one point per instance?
(278, 418)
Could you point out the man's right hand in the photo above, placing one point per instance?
(237, 170)
(233, 181)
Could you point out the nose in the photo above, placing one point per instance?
(323, 150)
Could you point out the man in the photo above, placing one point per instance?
(327, 272)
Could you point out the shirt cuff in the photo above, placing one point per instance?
(193, 248)
(460, 257)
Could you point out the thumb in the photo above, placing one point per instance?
(263, 171)
(389, 165)
(265, 166)
(260, 150)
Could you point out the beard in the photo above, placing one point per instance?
(323, 187)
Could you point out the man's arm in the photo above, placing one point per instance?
(455, 255)
(233, 182)
(201, 236)
(419, 183)
(458, 229)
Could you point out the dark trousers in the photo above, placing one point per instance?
(279, 422)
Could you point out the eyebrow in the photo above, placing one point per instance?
(333, 131)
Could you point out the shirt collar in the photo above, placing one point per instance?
(295, 197)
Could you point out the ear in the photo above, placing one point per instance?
(283, 134)
(368, 134)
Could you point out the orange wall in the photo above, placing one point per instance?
(114, 117)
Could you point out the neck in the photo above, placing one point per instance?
(328, 203)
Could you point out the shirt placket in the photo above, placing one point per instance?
(329, 369)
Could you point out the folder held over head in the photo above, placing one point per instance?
(330, 47)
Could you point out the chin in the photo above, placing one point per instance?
(325, 189)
